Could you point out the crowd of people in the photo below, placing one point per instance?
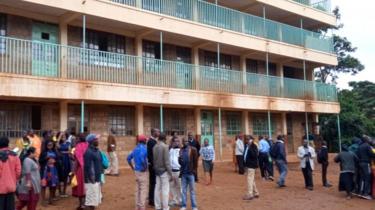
(164, 172)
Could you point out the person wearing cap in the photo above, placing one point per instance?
(139, 157)
(306, 154)
(93, 169)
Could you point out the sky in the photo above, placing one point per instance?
(358, 18)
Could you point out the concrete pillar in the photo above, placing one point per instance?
(195, 54)
(280, 73)
(197, 118)
(250, 121)
(139, 119)
(138, 53)
(316, 127)
(245, 122)
(63, 37)
(284, 130)
(63, 115)
(243, 69)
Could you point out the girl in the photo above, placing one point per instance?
(29, 186)
(65, 165)
(50, 177)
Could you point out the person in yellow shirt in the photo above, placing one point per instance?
(35, 142)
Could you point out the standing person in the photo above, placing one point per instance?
(307, 154)
(65, 164)
(93, 169)
(139, 156)
(264, 150)
(323, 159)
(78, 170)
(22, 145)
(357, 179)
(175, 184)
(251, 163)
(239, 154)
(373, 169)
(188, 160)
(365, 154)
(348, 161)
(10, 171)
(279, 155)
(35, 142)
(151, 142)
(29, 187)
(48, 170)
(111, 149)
(208, 157)
(194, 143)
(163, 173)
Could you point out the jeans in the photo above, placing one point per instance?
(251, 186)
(162, 192)
(283, 170)
(188, 181)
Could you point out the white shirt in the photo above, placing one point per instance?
(302, 151)
(239, 147)
(174, 153)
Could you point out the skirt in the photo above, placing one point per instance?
(208, 165)
(93, 194)
(346, 182)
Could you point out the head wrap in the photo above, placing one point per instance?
(91, 137)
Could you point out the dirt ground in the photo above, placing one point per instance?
(227, 191)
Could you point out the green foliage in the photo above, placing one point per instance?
(357, 115)
(343, 48)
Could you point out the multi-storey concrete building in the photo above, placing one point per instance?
(215, 68)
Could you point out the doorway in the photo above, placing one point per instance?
(207, 127)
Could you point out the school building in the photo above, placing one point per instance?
(216, 68)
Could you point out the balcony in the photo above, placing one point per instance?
(211, 14)
(51, 60)
(323, 5)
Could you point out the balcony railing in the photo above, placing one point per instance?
(323, 5)
(52, 60)
(226, 18)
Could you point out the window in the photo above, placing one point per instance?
(121, 119)
(260, 124)
(252, 66)
(233, 123)
(175, 120)
(210, 59)
(151, 50)
(183, 54)
(3, 29)
(14, 119)
(104, 43)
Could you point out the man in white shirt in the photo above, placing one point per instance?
(307, 154)
(239, 150)
(175, 183)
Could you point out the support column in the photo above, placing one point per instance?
(284, 130)
(197, 119)
(220, 136)
(243, 69)
(339, 130)
(63, 50)
(82, 116)
(269, 125)
(161, 118)
(245, 122)
(316, 120)
(138, 53)
(280, 73)
(139, 119)
(195, 53)
(307, 125)
(63, 115)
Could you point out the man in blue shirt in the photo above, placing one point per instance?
(139, 157)
(264, 159)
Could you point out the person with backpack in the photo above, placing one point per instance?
(278, 153)
(323, 159)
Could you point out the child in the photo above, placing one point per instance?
(50, 176)
(65, 164)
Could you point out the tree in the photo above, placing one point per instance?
(343, 49)
(357, 115)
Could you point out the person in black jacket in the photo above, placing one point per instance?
(251, 156)
(194, 143)
(279, 155)
(323, 159)
(151, 142)
(93, 169)
(365, 155)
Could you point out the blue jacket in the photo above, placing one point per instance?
(279, 149)
(93, 165)
(139, 155)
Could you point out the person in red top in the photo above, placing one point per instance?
(10, 172)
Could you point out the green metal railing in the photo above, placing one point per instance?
(323, 5)
(230, 19)
(52, 60)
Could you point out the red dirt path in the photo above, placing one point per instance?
(228, 189)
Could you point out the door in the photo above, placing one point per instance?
(183, 76)
(45, 51)
(207, 127)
